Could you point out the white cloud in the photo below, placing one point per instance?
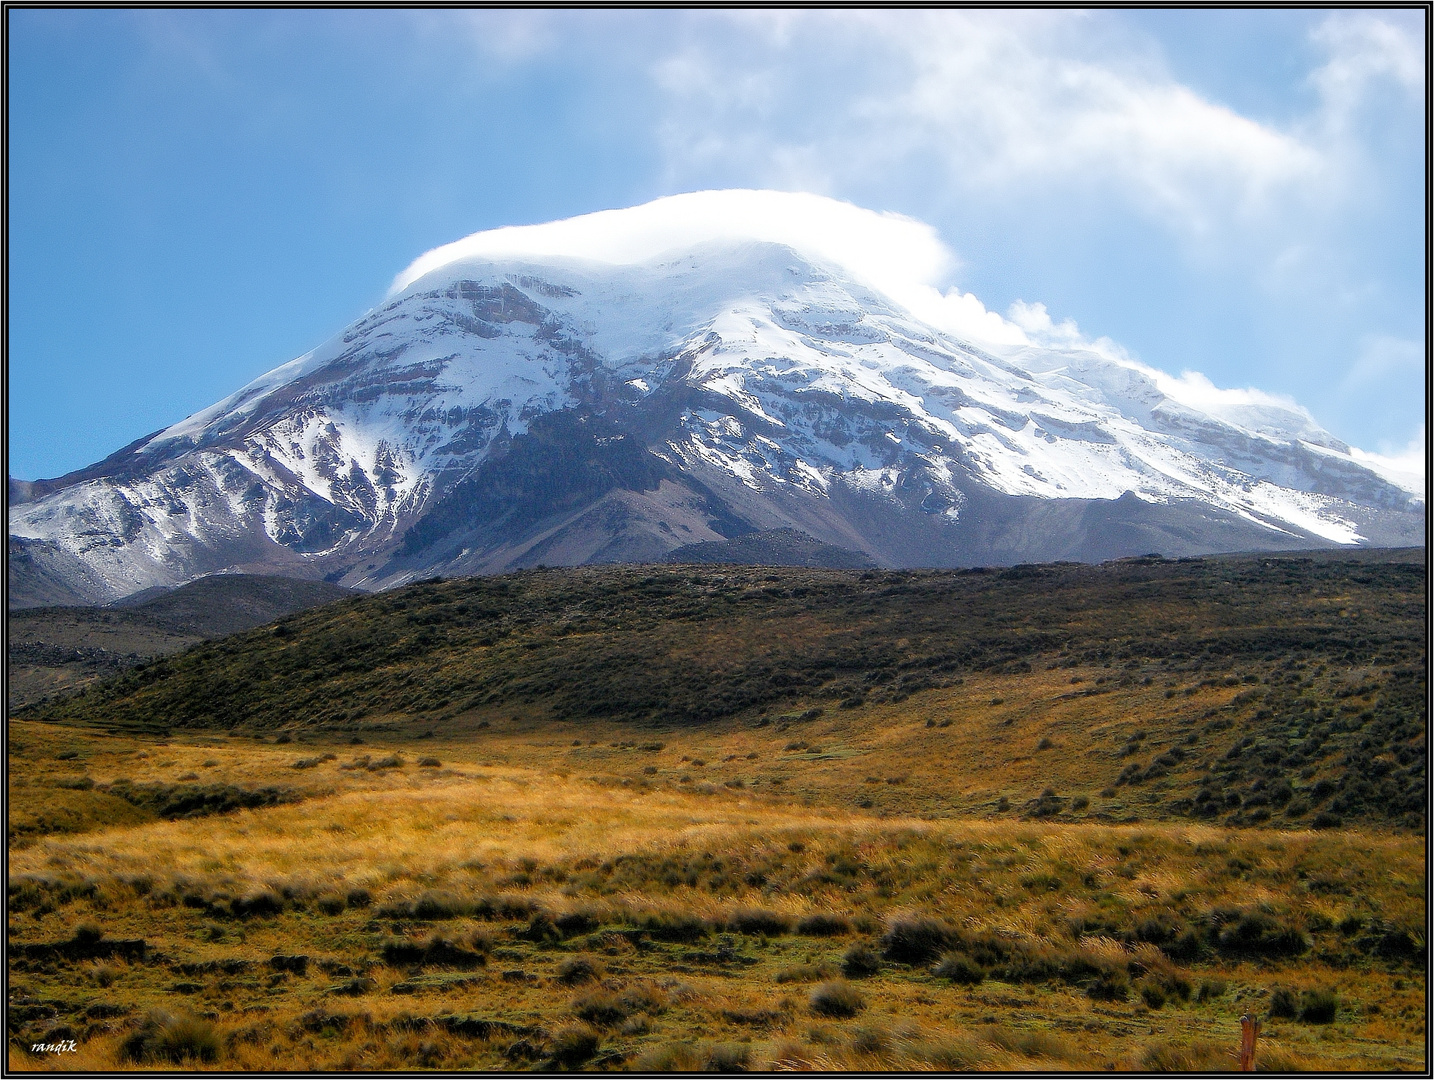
(502, 37)
(1404, 468)
(997, 99)
(1036, 321)
(1365, 51)
(894, 253)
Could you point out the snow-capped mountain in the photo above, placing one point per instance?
(611, 388)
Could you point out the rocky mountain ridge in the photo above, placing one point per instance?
(501, 412)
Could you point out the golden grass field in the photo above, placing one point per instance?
(595, 895)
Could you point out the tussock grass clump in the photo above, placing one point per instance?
(960, 968)
(1284, 1004)
(1258, 935)
(836, 998)
(1210, 989)
(540, 929)
(437, 951)
(576, 970)
(573, 1045)
(915, 939)
(428, 905)
(257, 904)
(720, 1057)
(581, 921)
(1031, 1043)
(605, 1008)
(860, 961)
(954, 1054)
(503, 907)
(1318, 1006)
(671, 925)
(674, 1057)
(162, 1037)
(757, 921)
(1109, 985)
(726, 1057)
(824, 924)
(1199, 1056)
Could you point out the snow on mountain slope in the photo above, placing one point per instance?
(768, 337)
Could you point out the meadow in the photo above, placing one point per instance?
(677, 818)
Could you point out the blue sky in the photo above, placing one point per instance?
(199, 196)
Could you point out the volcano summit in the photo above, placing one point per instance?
(617, 386)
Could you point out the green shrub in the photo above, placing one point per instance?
(836, 998)
(1151, 993)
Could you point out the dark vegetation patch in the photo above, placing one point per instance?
(197, 800)
(1328, 655)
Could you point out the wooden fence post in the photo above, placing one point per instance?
(1249, 1032)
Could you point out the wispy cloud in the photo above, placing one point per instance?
(1365, 52)
(1382, 357)
(995, 100)
(1404, 466)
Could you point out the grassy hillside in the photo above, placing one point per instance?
(506, 900)
(669, 818)
(1241, 689)
(53, 650)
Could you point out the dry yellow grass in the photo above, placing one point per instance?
(519, 810)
